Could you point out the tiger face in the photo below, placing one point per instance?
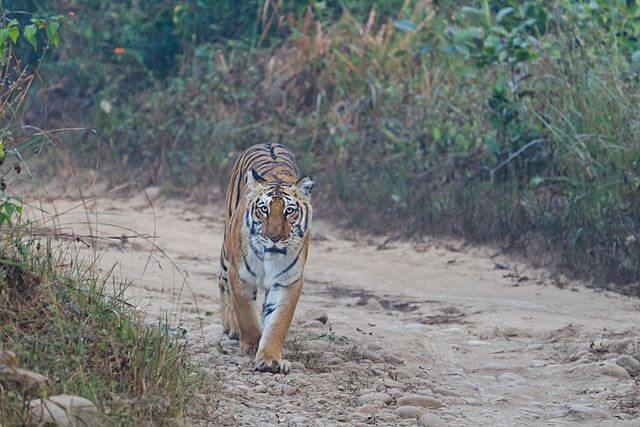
(278, 213)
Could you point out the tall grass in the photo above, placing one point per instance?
(57, 317)
(79, 331)
(512, 121)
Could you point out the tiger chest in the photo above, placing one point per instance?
(267, 270)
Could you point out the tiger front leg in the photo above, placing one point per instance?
(229, 323)
(277, 313)
(244, 311)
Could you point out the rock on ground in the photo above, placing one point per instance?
(431, 420)
(375, 397)
(630, 364)
(419, 400)
(64, 410)
(409, 411)
(315, 314)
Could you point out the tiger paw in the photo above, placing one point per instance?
(274, 366)
(232, 334)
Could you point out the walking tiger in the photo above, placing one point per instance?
(266, 242)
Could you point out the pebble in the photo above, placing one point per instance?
(386, 416)
(289, 390)
(374, 304)
(419, 400)
(368, 409)
(446, 392)
(300, 420)
(392, 358)
(579, 412)
(472, 401)
(64, 410)
(535, 363)
(394, 391)
(377, 371)
(243, 388)
(372, 357)
(375, 397)
(453, 401)
(335, 361)
(534, 347)
(403, 374)
(297, 366)
(504, 331)
(316, 324)
(315, 314)
(431, 420)
(630, 364)
(617, 345)
(388, 382)
(409, 411)
(27, 379)
(614, 371)
(512, 378)
(425, 392)
(260, 388)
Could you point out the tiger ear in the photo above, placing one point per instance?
(306, 184)
(253, 178)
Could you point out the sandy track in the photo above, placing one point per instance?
(491, 341)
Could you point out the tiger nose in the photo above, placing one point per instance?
(275, 238)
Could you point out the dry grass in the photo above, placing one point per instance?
(80, 333)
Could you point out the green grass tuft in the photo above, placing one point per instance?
(79, 332)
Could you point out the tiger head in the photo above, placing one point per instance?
(278, 212)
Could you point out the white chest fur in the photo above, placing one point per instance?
(264, 269)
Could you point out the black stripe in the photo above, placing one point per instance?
(272, 150)
(276, 250)
(230, 201)
(306, 218)
(287, 154)
(295, 261)
(277, 286)
(238, 189)
(246, 264)
(261, 163)
(255, 294)
(255, 251)
(268, 309)
(249, 155)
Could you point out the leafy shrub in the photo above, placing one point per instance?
(499, 120)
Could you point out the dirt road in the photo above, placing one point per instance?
(436, 328)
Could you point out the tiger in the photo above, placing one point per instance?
(266, 241)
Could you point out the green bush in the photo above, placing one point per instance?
(498, 120)
(66, 323)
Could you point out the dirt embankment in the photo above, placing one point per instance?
(437, 328)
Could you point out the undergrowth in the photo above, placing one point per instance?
(503, 121)
(79, 331)
(58, 318)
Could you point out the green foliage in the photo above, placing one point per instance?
(14, 84)
(495, 119)
(66, 323)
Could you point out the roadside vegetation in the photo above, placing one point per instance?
(65, 329)
(503, 121)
